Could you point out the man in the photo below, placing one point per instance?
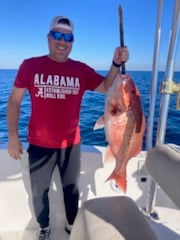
(56, 85)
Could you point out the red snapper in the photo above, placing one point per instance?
(124, 124)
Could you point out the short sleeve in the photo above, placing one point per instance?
(23, 76)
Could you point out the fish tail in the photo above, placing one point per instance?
(121, 181)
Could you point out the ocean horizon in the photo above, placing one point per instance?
(92, 108)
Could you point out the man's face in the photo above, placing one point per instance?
(59, 49)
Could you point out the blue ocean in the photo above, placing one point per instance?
(92, 108)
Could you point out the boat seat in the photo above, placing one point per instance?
(119, 218)
(111, 218)
(163, 164)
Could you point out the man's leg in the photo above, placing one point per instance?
(70, 173)
(42, 162)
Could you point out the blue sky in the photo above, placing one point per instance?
(24, 26)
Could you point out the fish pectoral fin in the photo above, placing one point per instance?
(99, 123)
(121, 181)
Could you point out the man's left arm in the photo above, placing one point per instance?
(121, 55)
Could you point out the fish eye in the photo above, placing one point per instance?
(114, 112)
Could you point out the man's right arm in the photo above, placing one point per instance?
(15, 148)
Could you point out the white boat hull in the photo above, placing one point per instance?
(17, 220)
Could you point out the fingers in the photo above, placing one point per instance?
(15, 154)
(15, 149)
(121, 55)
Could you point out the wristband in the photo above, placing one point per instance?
(115, 64)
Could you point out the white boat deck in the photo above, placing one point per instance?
(17, 221)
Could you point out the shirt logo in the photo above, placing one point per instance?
(55, 86)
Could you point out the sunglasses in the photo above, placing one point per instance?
(68, 37)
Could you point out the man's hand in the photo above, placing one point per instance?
(15, 148)
(121, 55)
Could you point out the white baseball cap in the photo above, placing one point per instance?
(62, 22)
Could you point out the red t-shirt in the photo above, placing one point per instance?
(56, 90)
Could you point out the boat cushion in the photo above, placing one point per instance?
(163, 164)
(116, 218)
